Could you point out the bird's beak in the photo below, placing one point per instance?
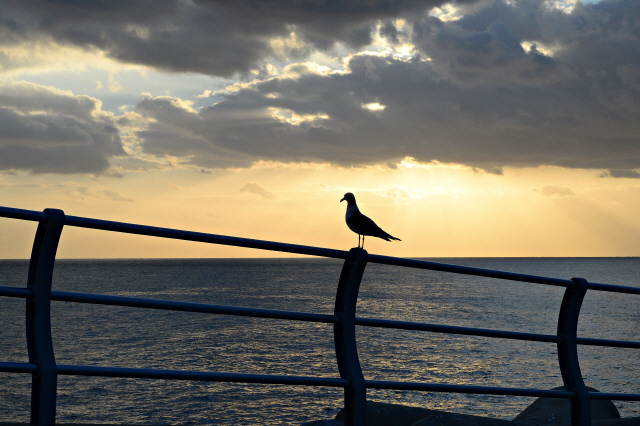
(342, 199)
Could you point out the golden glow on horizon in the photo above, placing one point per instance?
(437, 210)
(267, 164)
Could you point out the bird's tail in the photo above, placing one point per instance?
(388, 237)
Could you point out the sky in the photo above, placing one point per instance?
(470, 128)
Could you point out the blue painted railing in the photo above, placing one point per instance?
(45, 371)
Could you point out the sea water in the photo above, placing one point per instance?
(131, 337)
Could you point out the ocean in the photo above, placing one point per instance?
(119, 336)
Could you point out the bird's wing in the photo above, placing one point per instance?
(365, 225)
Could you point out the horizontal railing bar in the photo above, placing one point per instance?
(609, 343)
(12, 213)
(485, 390)
(25, 293)
(176, 234)
(129, 228)
(18, 367)
(614, 288)
(450, 329)
(137, 302)
(615, 396)
(467, 270)
(66, 296)
(149, 373)
(143, 373)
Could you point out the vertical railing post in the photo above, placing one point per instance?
(568, 352)
(344, 332)
(38, 322)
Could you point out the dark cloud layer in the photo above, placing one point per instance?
(47, 131)
(481, 99)
(424, 117)
(514, 83)
(211, 37)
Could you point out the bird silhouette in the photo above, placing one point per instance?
(361, 224)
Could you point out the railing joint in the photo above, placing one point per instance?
(568, 352)
(355, 395)
(38, 320)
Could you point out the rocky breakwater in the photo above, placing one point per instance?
(542, 412)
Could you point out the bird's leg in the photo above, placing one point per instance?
(362, 242)
(358, 240)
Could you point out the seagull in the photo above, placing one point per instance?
(360, 224)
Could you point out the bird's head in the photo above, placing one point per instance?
(349, 198)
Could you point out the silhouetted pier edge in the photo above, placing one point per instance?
(542, 412)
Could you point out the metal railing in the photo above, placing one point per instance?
(44, 370)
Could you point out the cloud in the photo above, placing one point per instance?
(487, 125)
(97, 194)
(621, 173)
(505, 84)
(210, 37)
(114, 196)
(254, 188)
(45, 130)
(552, 190)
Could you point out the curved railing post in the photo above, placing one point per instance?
(568, 352)
(355, 395)
(39, 342)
